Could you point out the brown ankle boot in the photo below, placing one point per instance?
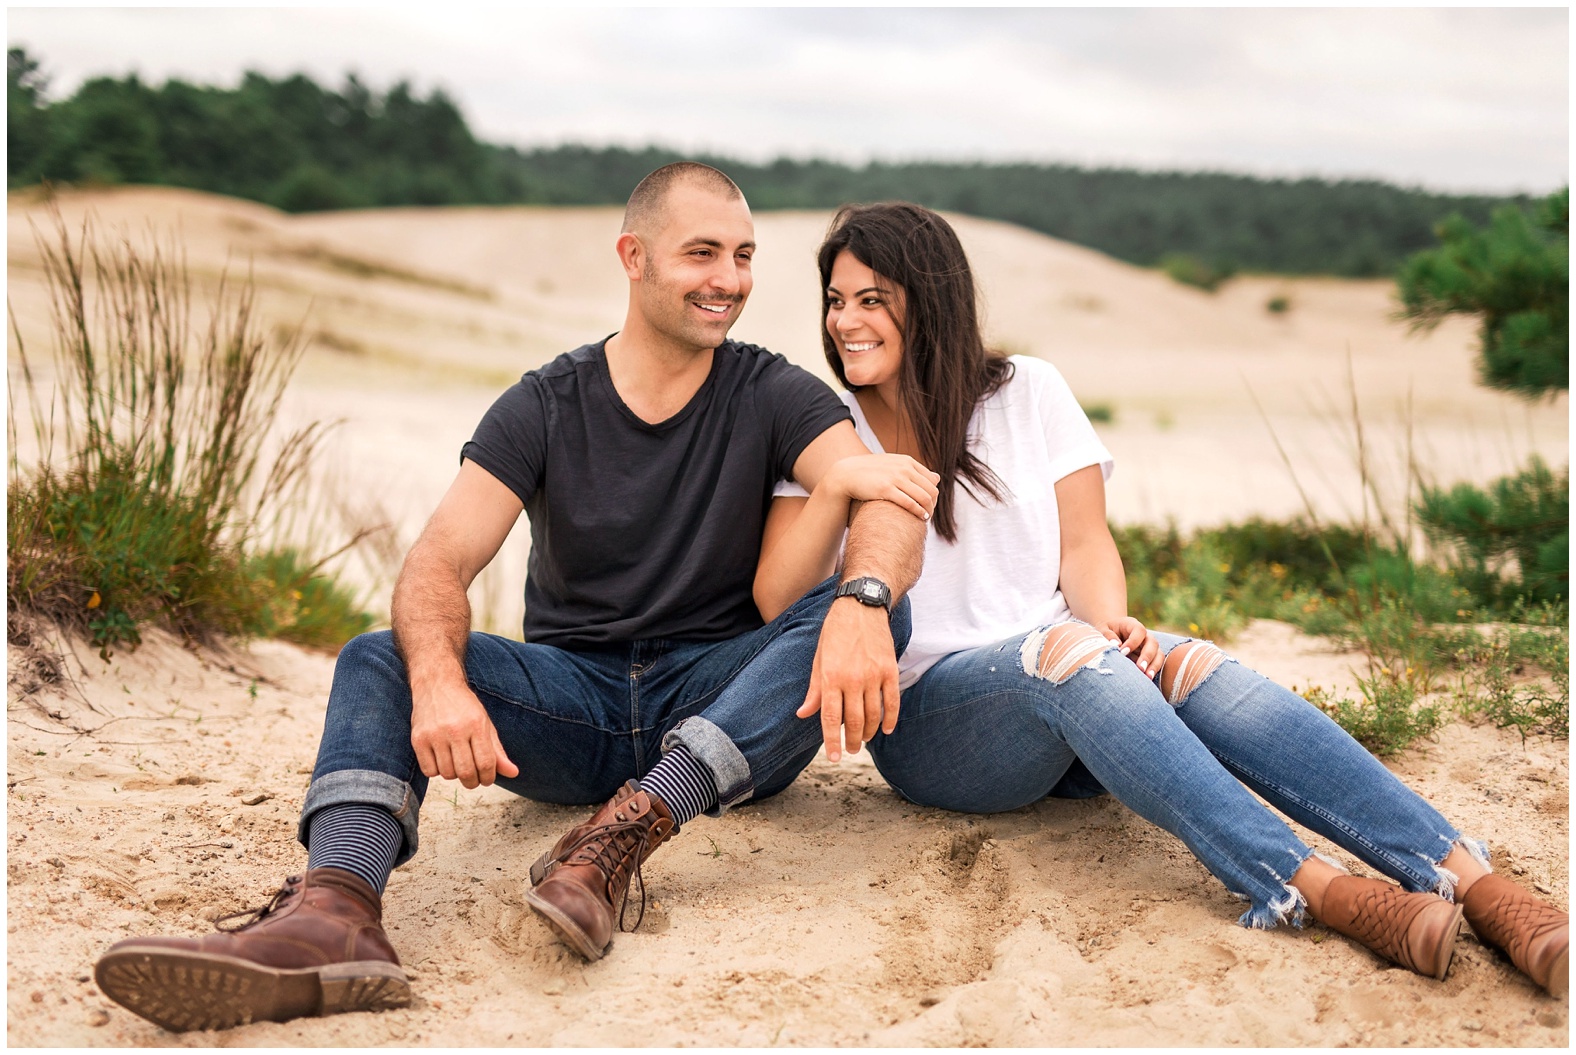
(580, 884)
(316, 949)
(1417, 931)
(1535, 935)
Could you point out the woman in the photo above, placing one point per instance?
(1015, 685)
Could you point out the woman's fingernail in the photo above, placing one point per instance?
(1123, 650)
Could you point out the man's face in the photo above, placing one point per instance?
(696, 273)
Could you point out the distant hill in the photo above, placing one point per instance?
(301, 147)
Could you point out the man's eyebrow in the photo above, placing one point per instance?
(712, 243)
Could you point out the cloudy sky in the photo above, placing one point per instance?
(1451, 99)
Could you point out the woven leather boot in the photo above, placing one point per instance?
(581, 886)
(317, 948)
(1535, 935)
(1417, 931)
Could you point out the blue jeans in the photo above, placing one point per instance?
(580, 724)
(983, 732)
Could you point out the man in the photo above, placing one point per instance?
(645, 463)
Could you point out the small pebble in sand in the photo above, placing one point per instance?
(1473, 1027)
(1541, 888)
(98, 1017)
(553, 988)
(37, 997)
(258, 798)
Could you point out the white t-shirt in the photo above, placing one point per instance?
(1002, 576)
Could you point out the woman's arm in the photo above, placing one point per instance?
(1092, 579)
(800, 543)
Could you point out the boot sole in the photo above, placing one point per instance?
(567, 930)
(1560, 976)
(183, 991)
(1452, 933)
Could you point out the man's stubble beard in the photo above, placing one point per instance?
(666, 311)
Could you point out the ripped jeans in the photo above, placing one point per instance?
(985, 731)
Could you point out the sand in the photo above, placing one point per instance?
(835, 913)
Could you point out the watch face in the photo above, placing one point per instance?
(872, 590)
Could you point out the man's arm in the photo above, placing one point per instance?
(853, 682)
(450, 730)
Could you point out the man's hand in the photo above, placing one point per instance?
(1136, 642)
(853, 682)
(455, 739)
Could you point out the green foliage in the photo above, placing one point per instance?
(1413, 621)
(298, 146)
(1519, 676)
(1387, 718)
(1278, 304)
(1102, 413)
(1514, 275)
(1192, 270)
(305, 606)
(151, 487)
(1511, 539)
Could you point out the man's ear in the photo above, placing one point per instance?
(632, 254)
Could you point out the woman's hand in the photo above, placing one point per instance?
(894, 478)
(1136, 642)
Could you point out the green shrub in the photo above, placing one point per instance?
(305, 606)
(1515, 276)
(1518, 676)
(1278, 305)
(1511, 539)
(1386, 719)
(1103, 413)
(1191, 270)
(151, 487)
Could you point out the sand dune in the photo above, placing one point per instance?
(419, 317)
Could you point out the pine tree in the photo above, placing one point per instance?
(1515, 275)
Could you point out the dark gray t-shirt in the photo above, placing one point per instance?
(638, 530)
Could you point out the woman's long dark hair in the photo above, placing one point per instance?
(946, 369)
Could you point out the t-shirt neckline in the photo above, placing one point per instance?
(605, 374)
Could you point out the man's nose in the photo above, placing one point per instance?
(726, 278)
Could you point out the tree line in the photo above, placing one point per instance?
(301, 147)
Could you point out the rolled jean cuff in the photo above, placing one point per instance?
(366, 787)
(711, 747)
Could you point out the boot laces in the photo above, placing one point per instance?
(609, 847)
(253, 916)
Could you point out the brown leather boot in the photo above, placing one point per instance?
(1417, 931)
(576, 885)
(316, 949)
(1534, 934)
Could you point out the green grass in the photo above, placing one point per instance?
(1417, 623)
(159, 469)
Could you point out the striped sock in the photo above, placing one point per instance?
(363, 840)
(682, 783)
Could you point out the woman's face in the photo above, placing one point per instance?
(864, 315)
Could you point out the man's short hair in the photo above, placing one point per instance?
(644, 211)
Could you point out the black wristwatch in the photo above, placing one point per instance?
(869, 591)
